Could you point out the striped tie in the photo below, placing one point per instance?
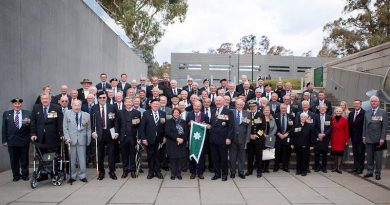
(17, 119)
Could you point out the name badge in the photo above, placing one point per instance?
(309, 120)
(246, 120)
(111, 115)
(162, 120)
(290, 123)
(377, 118)
(169, 117)
(298, 129)
(260, 132)
(327, 123)
(223, 123)
(52, 114)
(258, 121)
(135, 121)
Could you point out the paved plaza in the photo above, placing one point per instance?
(273, 188)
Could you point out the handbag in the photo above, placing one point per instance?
(269, 153)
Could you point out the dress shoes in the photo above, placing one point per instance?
(224, 178)
(15, 179)
(378, 177)
(160, 176)
(71, 180)
(172, 177)
(150, 176)
(179, 177)
(286, 170)
(215, 177)
(124, 175)
(192, 176)
(132, 174)
(84, 180)
(201, 177)
(232, 175)
(248, 173)
(368, 175)
(241, 176)
(25, 178)
(100, 177)
(113, 176)
(259, 175)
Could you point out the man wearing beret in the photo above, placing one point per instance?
(104, 118)
(84, 91)
(15, 133)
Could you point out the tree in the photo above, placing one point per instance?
(279, 51)
(145, 20)
(225, 48)
(212, 51)
(263, 45)
(245, 44)
(307, 54)
(157, 70)
(367, 24)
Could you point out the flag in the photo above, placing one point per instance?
(197, 137)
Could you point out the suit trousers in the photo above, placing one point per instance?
(220, 159)
(176, 165)
(321, 155)
(374, 157)
(282, 155)
(19, 160)
(237, 157)
(153, 158)
(358, 156)
(302, 155)
(198, 168)
(108, 142)
(255, 151)
(78, 154)
(128, 157)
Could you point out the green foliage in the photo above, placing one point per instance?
(367, 24)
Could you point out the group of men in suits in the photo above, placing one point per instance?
(136, 114)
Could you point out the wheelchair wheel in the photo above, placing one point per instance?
(57, 180)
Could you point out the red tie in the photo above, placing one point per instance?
(103, 118)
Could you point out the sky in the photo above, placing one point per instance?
(294, 24)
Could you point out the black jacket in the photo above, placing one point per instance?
(13, 136)
(221, 129)
(149, 130)
(289, 126)
(110, 116)
(303, 136)
(50, 128)
(323, 145)
(356, 127)
(173, 149)
(130, 123)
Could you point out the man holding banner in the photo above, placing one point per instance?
(197, 122)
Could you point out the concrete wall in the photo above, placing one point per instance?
(205, 60)
(56, 42)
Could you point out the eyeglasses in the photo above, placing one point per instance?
(102, 97)
(142, 80)
(64, 101)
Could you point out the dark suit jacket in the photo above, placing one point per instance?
(123, 89)
(149, 89)
(312, 116)
(290, 125)
(174, 150)
(111, 123)
(85, 108)
(162, 85)
(51, 128)
(316, 107)
(265, 95)
(196, 92)
(16, 137)
(99, 86)
(327, 131)
(130, 123)
(81, 96)
(221, 129)
(304, 137)
(149, 130)
(191, 117)
(169, 94)
(250, 95)
(356, 127)
(281, 93)
(186, 88)
(58, 97)
(258, 124)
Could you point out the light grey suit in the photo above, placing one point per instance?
(241, 136)
(374, 129)
(270, 138)
(80, 137)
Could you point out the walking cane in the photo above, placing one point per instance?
(70, 164)
(96, 147)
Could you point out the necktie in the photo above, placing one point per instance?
(103, 118)
(267, 95)
(373, 112)
(45, 113)
(207, 111)
(217, 113)
(89, 108)
(284, 123)
(189, 88)
(77, 119)
(356, 113)
(246, 92)
(238, 118)
(155, 118)
(17, 119)
(322, 123)
(104, 87)
(174, 91)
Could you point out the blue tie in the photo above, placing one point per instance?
(45, 113)
(238, 118)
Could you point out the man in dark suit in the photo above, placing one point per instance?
(249, 93)
(173, 91)
(224, 84)
(207, 110)
(105, 130)
(196, 169)
(323, 127)
(130, 120)
(241, 137)
(87, 106)
(103, 85)
(284, 123)
(374, 136)
(195, 90)
(85, 90)
(257, 140)
(188, 87)
(305, 109)
(240, 87)
(165, 83)
(321, 100)
(152, 135)
(123, 84)
(267, 92)
(221, 133)
(355, 123)
(232, 93)
(15, 137)
(291, 110)
(63, 93)
(213, 94)
(280, 91)
(150, 88)
(142, 85)
(274, 104)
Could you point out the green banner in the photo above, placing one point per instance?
(197, 137)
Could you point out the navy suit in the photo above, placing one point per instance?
(321, 147)
(104, 135)
(17, 139)
(221, 129)
(130, 122)
(99, 86)
(282, 146)
(356, 135)
(197, 168)
(153, 133)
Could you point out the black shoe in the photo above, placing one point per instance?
(160, 176)
(150, 176)
(215, 177)
(266, 171)
(141, 171)
(317, 169)
(132, 174)
(192, 176)
(286, 170)
(179, 177)
(211, 169)
(377, 177)
(241, 176)
(84, 180)
(259, 175)
(248, 173)
(339, 171)
(25, 178)
(172, 178)
(303, 174)
(324, 170)
(101, 177)
(70, 181)
(113, 176)
(201, 177)
(298, 173)
(353, 171)
(233, 175)
(224, 178)
(15, 179)
(359, 172)
(368, 175)
(124, 175)
(276, 169)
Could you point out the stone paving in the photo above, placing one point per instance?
(273, 188)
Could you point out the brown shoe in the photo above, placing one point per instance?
(192, 176)
(124, 175)
(132, 174)
(201, 177)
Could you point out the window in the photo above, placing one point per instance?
(249, 67)
(183, 66)
(279, 70)
(278, 66)
(220, 67)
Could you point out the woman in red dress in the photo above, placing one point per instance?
(339, 138)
